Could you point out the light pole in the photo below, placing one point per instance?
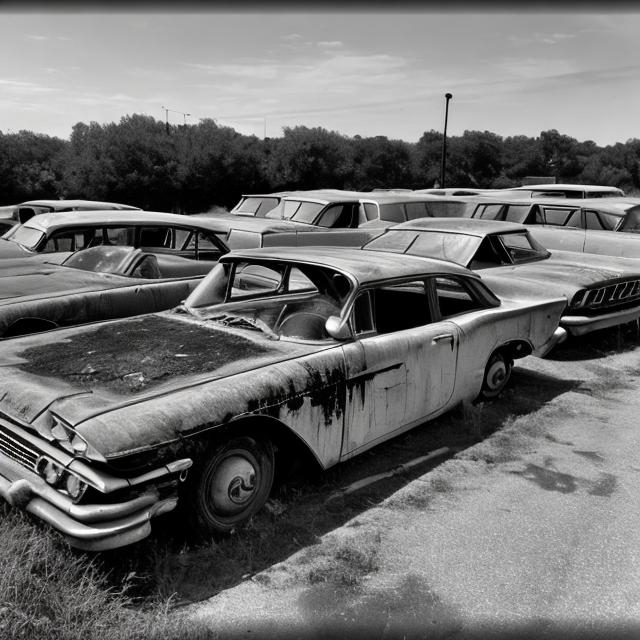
(448, 97)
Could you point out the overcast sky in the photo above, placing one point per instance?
(353, 72)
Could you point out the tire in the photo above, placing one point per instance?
(231, 484)
(496, 375)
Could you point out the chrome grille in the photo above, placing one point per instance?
(610, 295)
(18, 451)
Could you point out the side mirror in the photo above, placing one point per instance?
(337, 329)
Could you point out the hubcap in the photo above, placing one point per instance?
(497, 374)
(233, 485)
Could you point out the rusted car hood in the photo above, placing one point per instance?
(565, 272)
(83, 372)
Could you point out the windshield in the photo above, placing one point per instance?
(283, 300)
(307, 212)
(120, 260)
(256, 206)
(26, 236)
(454, 247)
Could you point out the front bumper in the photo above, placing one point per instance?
(579, 325)
(91, 527)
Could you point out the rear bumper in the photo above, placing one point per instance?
(91, 527)
(579, 325)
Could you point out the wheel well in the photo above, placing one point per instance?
(517, 349)
(25, 326)
(292, 453)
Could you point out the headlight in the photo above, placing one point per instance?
(49, 470)
(75, 487)
(59, 478)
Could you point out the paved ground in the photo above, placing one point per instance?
(533, 532)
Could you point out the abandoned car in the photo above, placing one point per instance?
(54, 236)
(602, 291)
(277, 354)
(98, 283)
(19, 213)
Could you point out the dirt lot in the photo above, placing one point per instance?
(530, 525)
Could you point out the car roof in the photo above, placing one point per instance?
(49, 221)
(77, 203)
(469, 226)
(616, 205)
(362, 265)
(564, 186)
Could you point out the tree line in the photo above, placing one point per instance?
(191, 168)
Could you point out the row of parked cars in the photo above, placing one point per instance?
(153, 361)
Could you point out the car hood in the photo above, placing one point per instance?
(564, 272)
(85, 372)
(10, 249)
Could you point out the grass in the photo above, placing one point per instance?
(49, 591)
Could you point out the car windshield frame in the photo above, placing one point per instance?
(27, 237)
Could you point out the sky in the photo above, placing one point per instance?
(352, 71)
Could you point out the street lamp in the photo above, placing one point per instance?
(448, 97)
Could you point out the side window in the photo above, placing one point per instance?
(339, 216)
(392, 213)
(362, 314)
(488, 211)
(599, 220)
(121, 236)
(72, 240)
(592, 221)
(196, 245)
(520, 213)
(299, 282)
(400, 306)
(254, 280)
(454, 298)
(371, 211)
(155, 237)
(416, 210)
(558, 217)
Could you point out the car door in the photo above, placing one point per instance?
(400, 369)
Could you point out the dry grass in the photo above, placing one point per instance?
(48, 591)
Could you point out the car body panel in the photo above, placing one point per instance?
(61, 295)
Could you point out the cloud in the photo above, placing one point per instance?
(20, 87)
(330, 44)
(540, 38)
(34, 36)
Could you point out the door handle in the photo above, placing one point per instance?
(443, 337)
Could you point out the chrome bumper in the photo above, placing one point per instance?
(91, 527)
(559, 335)
(579, 325)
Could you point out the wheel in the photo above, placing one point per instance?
(231, 484)
(496, 374)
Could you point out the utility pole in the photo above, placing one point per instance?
(448, 97)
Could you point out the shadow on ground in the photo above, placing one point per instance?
(300, 512)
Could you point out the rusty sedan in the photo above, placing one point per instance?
(278, 355)
(98, 283)
(602, 291)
